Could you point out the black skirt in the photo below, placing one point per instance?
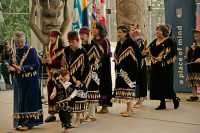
(141, 83)
(105, 88)
(161, 82)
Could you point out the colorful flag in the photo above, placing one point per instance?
(94, 10)
(99, 11)
(77, 20)
(103, 1)
(85, 21)
(197, 15)
(102, 17)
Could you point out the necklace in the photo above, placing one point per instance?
(160, 41)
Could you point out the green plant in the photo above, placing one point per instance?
(15, 17)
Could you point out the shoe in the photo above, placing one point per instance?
(125, 114)
(22, 128)
(17, 128)
(50, 119)
(67, 126)
(89, 119)
(70, 126)
(92, 119)
(104, 110)
(193, 99)
(121, 113)
(176, 102)
(86, 120)
(83, 120)
(162, 106)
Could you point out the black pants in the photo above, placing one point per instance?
(65, 118)
(162, 100)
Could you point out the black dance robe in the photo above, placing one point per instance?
(63, 94)
(141, 88)
(162, 73)
(193, 68)
(56, 54)
(105, 88)
(27, 94)
(78, 65)
(64, 90)
(127, 64)
(94, 53)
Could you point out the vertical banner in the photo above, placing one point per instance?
(99, 12)
(197, 15)
(77, 20)
(94, 11)
(102, 12)
(180, 14)
(85, 19)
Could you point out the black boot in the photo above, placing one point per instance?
(162, 105)
(176, 102)
(193, 99)
(50, 118)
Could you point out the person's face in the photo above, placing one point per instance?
(53, 39)
(159, 33)
(74, 43)
(84, 37)
(95, 32)
(197, 36)
(132, 29)
(120, 34)
(19, 43)
(65, 78)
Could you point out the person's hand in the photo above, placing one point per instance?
(53, 95)
(156, 60)
(11, 69)
(159, 59)
(197, 60)
(145, 51)
(48, 61)
(78, 83)
(68, 99)
(18, 68)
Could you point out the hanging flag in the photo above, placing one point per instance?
(94, 10)
(197, 15)
(98, 12)
(77, 20)
(94, 13)
(85, 20)
(102, 16)
(103, 1)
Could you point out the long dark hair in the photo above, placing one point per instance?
(102, 29)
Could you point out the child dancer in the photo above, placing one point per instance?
(64, 92)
